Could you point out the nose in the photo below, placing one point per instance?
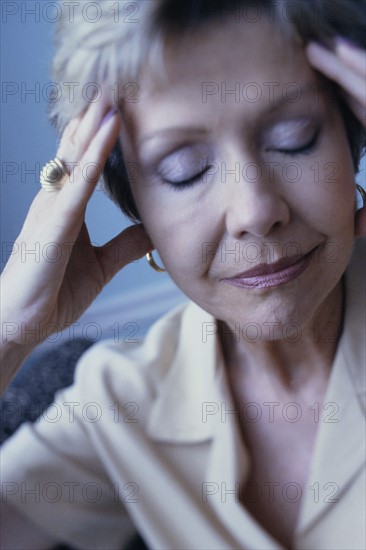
(255, 205)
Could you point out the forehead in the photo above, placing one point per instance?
(219, 66)
(231, 49)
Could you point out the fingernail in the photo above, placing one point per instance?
(109, 115)
(341, 41)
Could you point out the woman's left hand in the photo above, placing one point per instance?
(346, 65)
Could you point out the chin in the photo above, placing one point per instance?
(270, 322)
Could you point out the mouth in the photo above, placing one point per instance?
(271, 275)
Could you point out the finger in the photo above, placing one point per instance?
(58, 215)
(88, 127)
(335, 69)
(81, 130)
(130, 245)
(63, 150)
(353, 56)
(80, 186)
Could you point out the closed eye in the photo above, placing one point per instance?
(303, 150)
(183, 184)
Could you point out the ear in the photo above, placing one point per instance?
(360, 216)
(360, 222)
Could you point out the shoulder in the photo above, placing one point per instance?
(136, 368)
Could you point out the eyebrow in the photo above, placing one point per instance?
(315, 87)
(171, 130)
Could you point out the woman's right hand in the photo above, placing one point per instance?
(41, 294)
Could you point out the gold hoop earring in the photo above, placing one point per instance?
(154, 265)
(362, 193)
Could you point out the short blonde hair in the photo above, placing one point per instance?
(95, 43)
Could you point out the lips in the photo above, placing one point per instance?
(269, 275)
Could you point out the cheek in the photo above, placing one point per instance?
(325, 193)
(174, 220)
(177, 226)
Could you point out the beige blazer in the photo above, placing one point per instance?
(145, 435)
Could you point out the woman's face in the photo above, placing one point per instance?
(243, 162)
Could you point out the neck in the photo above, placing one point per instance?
(305, 353)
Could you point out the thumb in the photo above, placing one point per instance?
(130, 245)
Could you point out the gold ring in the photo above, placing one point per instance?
(52, 176)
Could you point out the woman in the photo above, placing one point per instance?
(238, 423)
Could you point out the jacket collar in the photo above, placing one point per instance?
(188, 395)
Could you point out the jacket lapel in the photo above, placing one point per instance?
(183, 411)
